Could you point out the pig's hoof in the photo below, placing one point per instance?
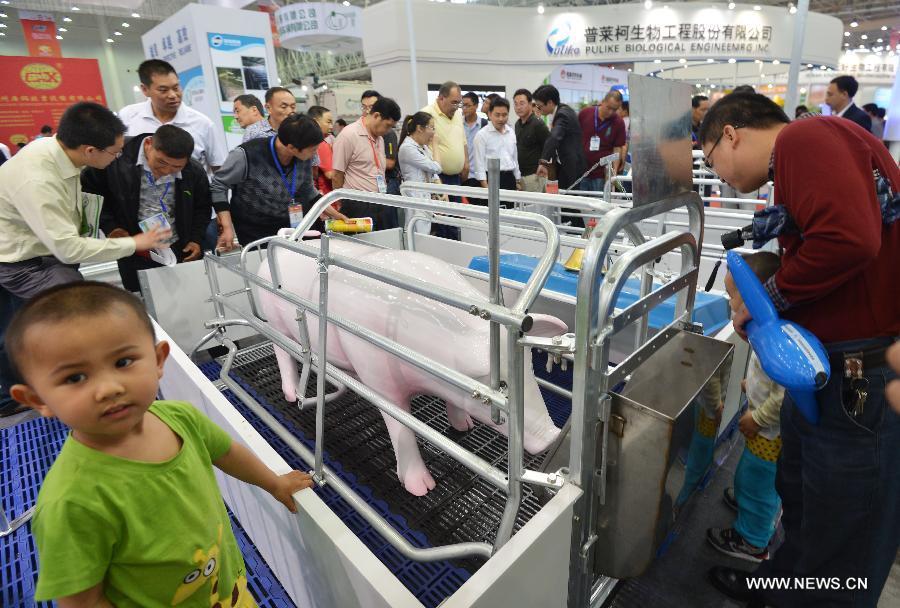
(418, 483)
(290, 394)
(459, 419)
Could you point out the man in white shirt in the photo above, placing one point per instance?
(159, 83)
(46, 228)
(498, 140)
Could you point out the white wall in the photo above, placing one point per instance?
(127, 57)
(509, 46)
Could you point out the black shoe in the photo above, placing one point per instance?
(731, 543)
(733, 583)
(730, 499)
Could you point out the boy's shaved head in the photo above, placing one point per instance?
(69, 302)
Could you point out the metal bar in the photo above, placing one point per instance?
(552, 387)
(323, 356)
(791, 98)
(440, 371)
(646, 303)
(512, 196)
(371, 516)
(477, 465)
(433, 292)
(516, 375)
(493, 167)
(623, 369)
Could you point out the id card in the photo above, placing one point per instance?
(295, 211)
(156, 221)
(382, 184)
(595, 144)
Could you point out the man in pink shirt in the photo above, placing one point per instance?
(359, 162)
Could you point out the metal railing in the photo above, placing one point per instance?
(513, 318)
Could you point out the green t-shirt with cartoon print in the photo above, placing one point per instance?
(156, 534)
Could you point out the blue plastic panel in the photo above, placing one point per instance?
(709, 309)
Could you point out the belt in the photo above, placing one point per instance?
(873, 358)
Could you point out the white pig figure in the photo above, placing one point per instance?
(445, 334)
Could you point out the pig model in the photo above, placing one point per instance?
(442, 333)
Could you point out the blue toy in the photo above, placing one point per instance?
(789, 354)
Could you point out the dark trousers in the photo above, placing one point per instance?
(19, 282)
(390, 215)
(447, 232)
(839, 484)
(507, 182)
(128, 268)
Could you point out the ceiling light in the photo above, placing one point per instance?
(75, 8)
(324, 87)
(710, 60)
(126, 24)
(731, 6)
(712, 86)
(846, 33)
(864, 37)
(757, 8)
(824, 67)
(775, 62)
(762, 75)
(854, 23)
(845, 44)
(304, 88)
(58, 37)
(135, 15)
(880, 40)
(732, 60)
(2, 26)
(3, 15)
(62, 29)
(629, 69)
(883, 28)
(803, 90)
(110, 40)
(2, 34)
(67, 19)
(648, 4)
(117, 33)
(698, 85)
(4, 1)
(657, 61)
(540, 9)
(345, 3)
(682, 60)
(792, 9)
(771, 86)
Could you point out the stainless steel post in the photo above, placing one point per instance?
(320, 374)
(493, 170)
(515, 355)
(792, 96)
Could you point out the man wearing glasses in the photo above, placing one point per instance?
(45, 228)
(839, 480)
(449, 144)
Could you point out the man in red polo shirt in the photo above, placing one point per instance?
(839, 480)
(602, 133)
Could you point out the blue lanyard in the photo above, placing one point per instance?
(162, 202)
(292, 188)
(596, 118)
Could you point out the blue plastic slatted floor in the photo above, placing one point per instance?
(709, 309)
(26, 452)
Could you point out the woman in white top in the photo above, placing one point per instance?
(415, 159)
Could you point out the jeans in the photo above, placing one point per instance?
(592, 184)
(758, 502)
(441, 230)
(839, 483)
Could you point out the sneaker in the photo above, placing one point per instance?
(730, 499)
(729, 542)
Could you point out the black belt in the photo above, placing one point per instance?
(872, 358)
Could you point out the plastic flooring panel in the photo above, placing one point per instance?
(461, 508)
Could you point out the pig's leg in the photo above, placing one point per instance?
(459, 418)
(287, 366)
(411, 469)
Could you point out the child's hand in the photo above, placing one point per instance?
(748, 426)
(286, 485)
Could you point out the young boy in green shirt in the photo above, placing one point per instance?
(130, 513)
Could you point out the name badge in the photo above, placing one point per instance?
(595, 144)
(156, 221)
(382, 185)
(295, 211)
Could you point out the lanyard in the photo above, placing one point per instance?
(292, 188)
(596, 118)
(375, 154)
(162, 201)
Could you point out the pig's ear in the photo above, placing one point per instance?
(546, 326)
